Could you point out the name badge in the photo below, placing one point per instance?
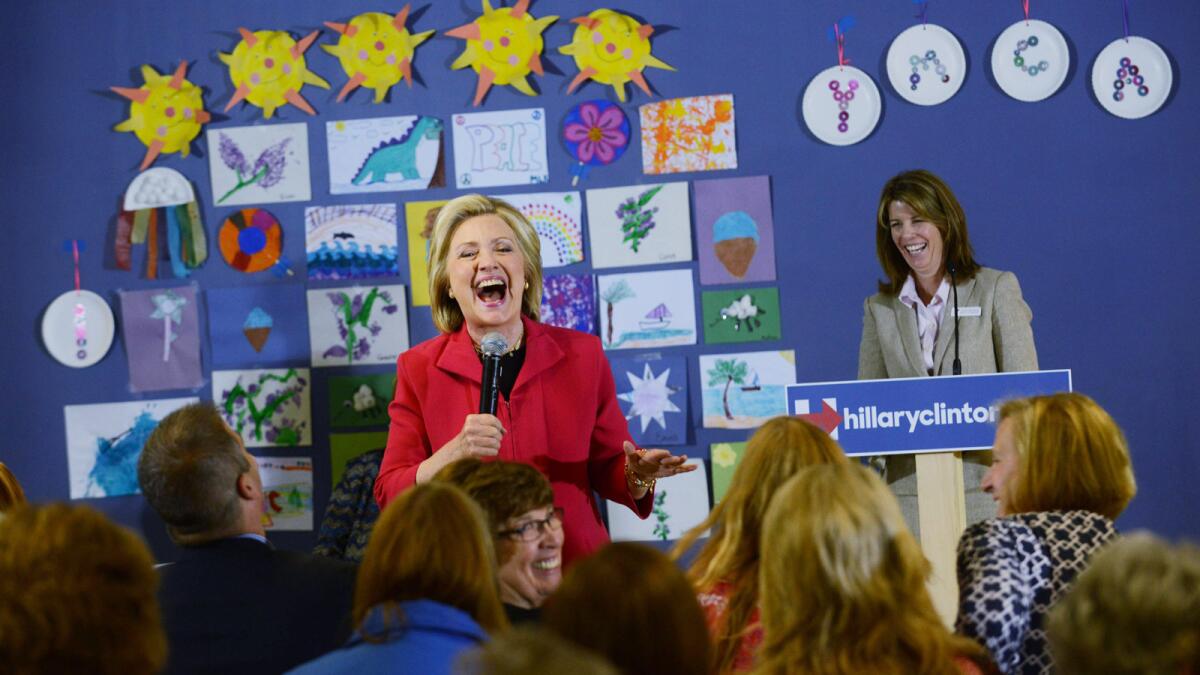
(970, 311)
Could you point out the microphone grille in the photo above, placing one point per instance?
(493, 344)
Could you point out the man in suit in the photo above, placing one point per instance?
(233, 603)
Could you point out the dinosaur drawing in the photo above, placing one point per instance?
(398, 155)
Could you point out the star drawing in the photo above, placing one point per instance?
(650, 397)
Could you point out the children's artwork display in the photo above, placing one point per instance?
(596, 133)
(104, 442)
(639, 225)
(569, 301)
(278, 171)
(360, 400)
(266, 407)
(505, 147)
(742, 315)
(841, 105)
(652, 393)
(357, 326)
(504, 45)
(268, 69)
(385, 154)
(162, 338)
(725, 459)
(78, 328)
(645, 310)
(926, 64)
(161, 195)
(735, 231)
(345, 447)
(260, 325)
(1131, 77)
(376, 50)
(680, 503)
(611, 48)
(688, 134)
(165, 113)
(1030, 60)
(741, 391)
(287, 492)
(351, 241)
(419, 218)
(558, 219)
(251, 240)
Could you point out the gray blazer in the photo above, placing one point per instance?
(999, 339)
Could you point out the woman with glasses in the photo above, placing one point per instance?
(526, 527)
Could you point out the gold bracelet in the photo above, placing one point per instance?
(638, 481)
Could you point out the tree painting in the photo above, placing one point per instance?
(732, 371)
(612, 295)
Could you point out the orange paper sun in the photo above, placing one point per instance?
(267, 67)
(165, 113)
(503, 47)
(376, 51)
(611, 48)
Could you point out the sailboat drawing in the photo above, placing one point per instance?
(657, 318)
(755, 383)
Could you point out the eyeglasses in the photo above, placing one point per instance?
(531, 530)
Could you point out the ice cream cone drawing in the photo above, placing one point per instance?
(257, 328)
(735, 241)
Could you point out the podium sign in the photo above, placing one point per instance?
(917, 414)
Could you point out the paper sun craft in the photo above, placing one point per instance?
(268, 69)
(165, 113)
(161, 195)
(376, 51)
(611, 48)
(503, 46)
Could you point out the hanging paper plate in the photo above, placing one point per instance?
(1030, 60)
(1131, 77)
(841, 105)
(251, 240)
(77, 328)
(926, 65)
(596, 134)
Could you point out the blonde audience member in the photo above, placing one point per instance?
(1061, 474)
(632, 605)
(11, 493)
(531, 650)
(1134, 611)
(726, 570)
(842, 583)
(77, 595)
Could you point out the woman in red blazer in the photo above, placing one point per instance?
(558, 409)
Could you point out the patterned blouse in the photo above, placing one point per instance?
(352, 511)
(1012, 570)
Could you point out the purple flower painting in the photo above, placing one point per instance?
(266, 407)
(357, 325)
(569, 301)
(278, 173)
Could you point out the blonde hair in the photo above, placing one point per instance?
(843, 582)
(431, 543)
(447, 315)
(1072, 455)
(777, 451)
(11, 494)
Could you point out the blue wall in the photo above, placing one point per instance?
(1095, 214)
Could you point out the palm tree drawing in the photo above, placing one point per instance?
(612, 295)
(731, 371)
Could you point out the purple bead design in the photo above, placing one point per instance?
(843, 98)
(922, 63)
(1128, 74)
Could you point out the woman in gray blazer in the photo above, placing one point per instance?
(908, 326)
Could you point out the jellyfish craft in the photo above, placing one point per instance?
(596, 133)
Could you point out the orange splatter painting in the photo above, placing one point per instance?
(688, 134)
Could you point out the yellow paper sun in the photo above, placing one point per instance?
(503, 46)
(165, 113)
(611, 48)
(376, 51)
(268, 69)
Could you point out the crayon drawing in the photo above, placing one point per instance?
(742, 315)
(287, 492)
(652, 393)
(162, 338)
(688, 134)
(735, 232)
(357, 326)
(741, 391)
(266, 407)
(351, 241)
(259, 325)
(419, 218)
(104, 442)
(725, 459)
(360, 400)
(569, 301)
(558, 218)
(385, 154)
(680, 503)
(505, 147)
(639, 225)
(259, 164)
(645, 310)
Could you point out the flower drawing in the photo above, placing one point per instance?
(266, 171)
(662, 527)
(258, 402)
(354, 315)
(599, 134)
(168, 306)
(723, 455)
(636, 219)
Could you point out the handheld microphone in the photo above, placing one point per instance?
(492, 347)
(957, 367)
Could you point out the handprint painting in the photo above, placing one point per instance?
(259, 165)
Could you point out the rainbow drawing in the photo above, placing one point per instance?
(556, 216)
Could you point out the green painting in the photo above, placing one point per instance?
(741, 315)
(360, 400)
(725, 458)
(345, 447)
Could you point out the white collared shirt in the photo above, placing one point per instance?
(929, 317)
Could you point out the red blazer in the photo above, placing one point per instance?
(562, 418)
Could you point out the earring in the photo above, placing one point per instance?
(451, 294)
(526, 285)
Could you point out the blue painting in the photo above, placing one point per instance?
(351, 241)
(652, 392)
(569, 301)
(258, 325)
(104, 443)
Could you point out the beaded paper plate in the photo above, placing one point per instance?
(1030, 60)
(841, 105)
(926, 64)
(1132, 77)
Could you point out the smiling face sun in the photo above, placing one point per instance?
(268, 69)
(503, 46)
(165, 113)
(611, 48)
(376, 51)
